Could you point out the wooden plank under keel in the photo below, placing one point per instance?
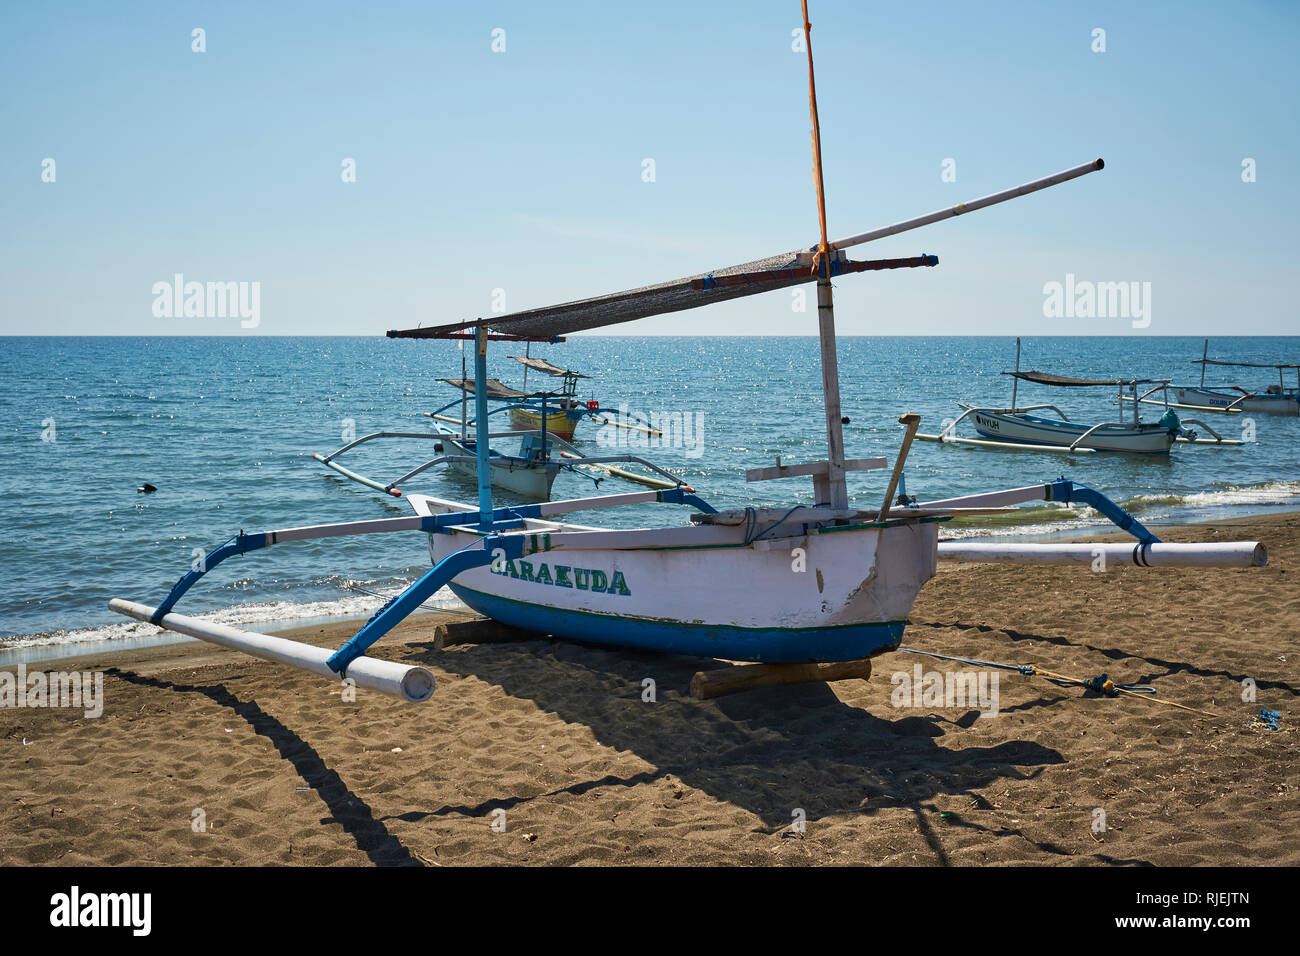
(742, 677)
(479, 631)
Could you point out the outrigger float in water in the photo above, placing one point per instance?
(1015, 429)
(723, 585)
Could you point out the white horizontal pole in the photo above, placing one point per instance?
(812, 468)
(961, 208)
(1236, 554)
(409, 682)
(992, 499)
(599, 501)
(372, 526)
(1003, 445)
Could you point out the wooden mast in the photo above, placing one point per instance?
(835, 490)
(1014, 379)
(481, 429)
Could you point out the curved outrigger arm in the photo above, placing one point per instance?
(411, 682)
(947, 433)
(567, 450)
(1149, 551)
(1063, 490)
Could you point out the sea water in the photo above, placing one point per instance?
(224, 428)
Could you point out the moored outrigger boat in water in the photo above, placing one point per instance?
(1276, 399)
(566, 409)
(527, 471)
(724, 584)
(1014, 428)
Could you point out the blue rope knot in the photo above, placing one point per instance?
(1101, 685)
(1269, 718)
(1105, 686)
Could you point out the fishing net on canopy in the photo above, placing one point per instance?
(749, 278)
(732, 282)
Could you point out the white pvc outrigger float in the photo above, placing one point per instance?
(410, 682)
(1157, 554)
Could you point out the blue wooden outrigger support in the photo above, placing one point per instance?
(497, 543)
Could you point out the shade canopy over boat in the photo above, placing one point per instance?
(749, 278)
(495, 389)
(1046, 378)
(733, 282)
(546, 368)
(1210, 361)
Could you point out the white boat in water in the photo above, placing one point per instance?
(528, 474)
(789, 584)
(526, 470)
(1015, 428)
(1273, 401)
(1019, 427)
(1277, 399)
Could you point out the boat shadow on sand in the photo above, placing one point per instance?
(767, 751)
(346, 808)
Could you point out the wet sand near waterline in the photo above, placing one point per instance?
(557, 736)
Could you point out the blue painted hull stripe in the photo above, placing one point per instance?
(764, 645)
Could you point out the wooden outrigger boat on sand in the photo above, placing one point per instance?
(1016, 429)
(1233, 399)
(722, 585)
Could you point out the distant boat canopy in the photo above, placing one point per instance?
(1046, 378)
(546, 368)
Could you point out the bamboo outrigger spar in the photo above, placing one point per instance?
(727, 576)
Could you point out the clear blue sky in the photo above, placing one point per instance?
(522, 170)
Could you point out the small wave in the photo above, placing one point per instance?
(1050, 518)
(1268, 494)
(282, 613)
(1053, 515)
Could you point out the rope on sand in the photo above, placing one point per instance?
(1101, 684)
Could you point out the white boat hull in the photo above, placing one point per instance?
(1285, 404)
(1032, 430)
(841, 594)
(528, 481)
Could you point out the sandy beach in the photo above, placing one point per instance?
(281, 770)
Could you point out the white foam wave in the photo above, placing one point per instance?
(282, 613)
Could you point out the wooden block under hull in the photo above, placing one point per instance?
(742, 677)
(480, 631)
